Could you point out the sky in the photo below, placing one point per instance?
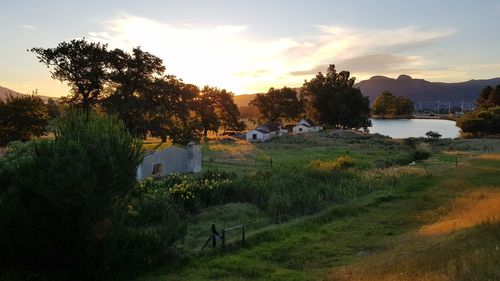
(250, 46)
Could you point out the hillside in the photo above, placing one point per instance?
(4, 92)
(243, 100)
(420, 90)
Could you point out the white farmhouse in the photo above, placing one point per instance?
(265, 132)
(171, 160)
(306, 126)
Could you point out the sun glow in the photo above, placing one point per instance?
(229, 57)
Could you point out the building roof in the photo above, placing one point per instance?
(262, 130)
(273, 126)
(309, 122)
(270, 127)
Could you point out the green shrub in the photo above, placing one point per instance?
(58, 211)
(150, 224)
(194, 193)
(433, 135)
(341, 162)
(17, 153)
(422, 151)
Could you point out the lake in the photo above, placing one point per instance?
(405, 128)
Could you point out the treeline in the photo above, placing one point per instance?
(485, 120)
(386, 105)
(134, 87)
(329, 99)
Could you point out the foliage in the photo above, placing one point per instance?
(433, 135)
(150, 225)
(193, 193)
(485, 120)
(422, 151)
(21, 118)
(333, 100)
(82, 64)
(387, 105)
(17, 153)
(130, 77)
(341, 162)
(57, 213)
(216, 109)
(481, 122)
(489, 97)
(133, 87)
(53, 109)
(277, 105)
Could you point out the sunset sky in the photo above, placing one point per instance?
(249, 46)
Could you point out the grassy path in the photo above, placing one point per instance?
(406, 233)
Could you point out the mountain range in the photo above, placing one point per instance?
(418, 90)
(4, 92)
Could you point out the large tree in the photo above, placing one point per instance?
(82, 64)
(386, 105)
(168, 110)
(216, 109)
(278, 104)
(22, 117)
(333, 100)
(130, 77)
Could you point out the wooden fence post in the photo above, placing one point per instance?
(223, 238)
(214, 237)
(243, 237)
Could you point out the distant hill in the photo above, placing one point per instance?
(420, 90)
(4, 92)
(243, 100)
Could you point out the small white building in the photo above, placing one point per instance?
(171, 160)
(265, 132)
(306, 126)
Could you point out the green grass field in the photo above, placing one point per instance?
(438, 222)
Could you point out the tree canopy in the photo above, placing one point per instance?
(22, 117)
(333, 100)
(216, 109)
(133, 86)
(278, 105)
(130, 77)
(386, 105)
(485, 120)
(82, 64)
(489, 97)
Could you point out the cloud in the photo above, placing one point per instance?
(374, 63)
(228, 56)
(27, 26)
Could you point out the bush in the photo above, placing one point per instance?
(433, 135)
(17, 153)
(58, 210)
(21, 118)
(481, 122)
(150, 224)
(194, 193)
(341, 162)
(422, 151)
